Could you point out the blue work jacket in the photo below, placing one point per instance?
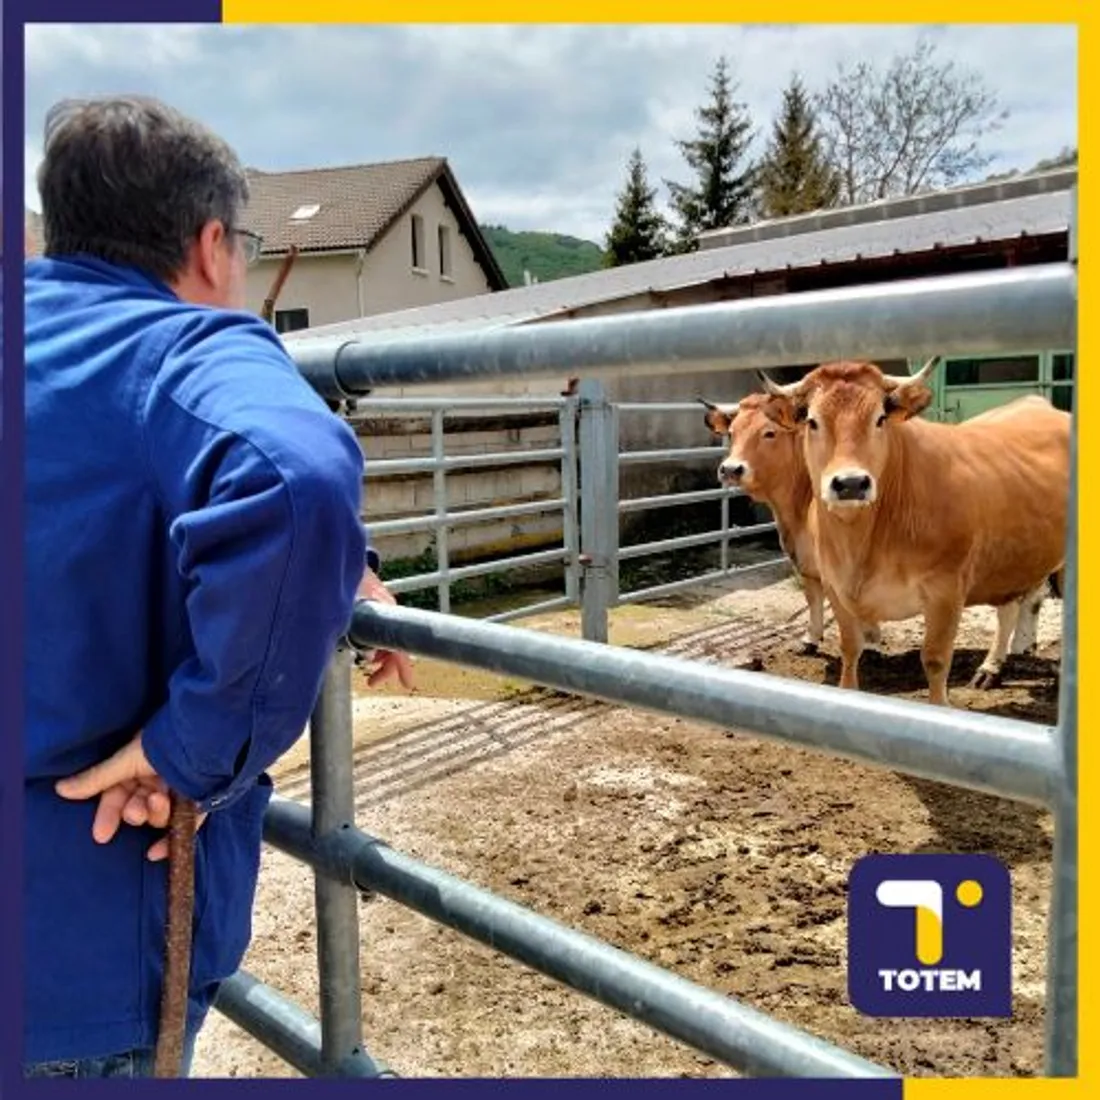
(192, 551)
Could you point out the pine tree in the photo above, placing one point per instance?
(725, 182)
(795, 175)
(639, 230)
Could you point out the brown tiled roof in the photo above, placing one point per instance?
(358, 203)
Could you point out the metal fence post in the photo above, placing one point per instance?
(570, 529)
(439, 492)
(1062, 950)
(333, 810)
(599, 476)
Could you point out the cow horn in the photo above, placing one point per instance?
(894, 380)
(725, 410)
(774, 388)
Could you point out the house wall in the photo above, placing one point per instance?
(391, 283)
(325, 285)
(332, 287)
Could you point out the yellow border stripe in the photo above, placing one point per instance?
(1056, 11)
(648, 11)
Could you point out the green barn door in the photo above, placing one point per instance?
(974, 385)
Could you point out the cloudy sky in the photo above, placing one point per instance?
(537, 121)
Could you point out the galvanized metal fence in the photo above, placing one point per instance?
(1031, 307)
(589, 459)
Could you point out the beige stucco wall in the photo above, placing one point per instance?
(325, 285)
(390, 283)
(332, 287)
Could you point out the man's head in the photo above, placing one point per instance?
(132, 181)
(847, 411)
(764, 456)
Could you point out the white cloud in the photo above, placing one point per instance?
(537, 120)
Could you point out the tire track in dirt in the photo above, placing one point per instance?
(428, 752)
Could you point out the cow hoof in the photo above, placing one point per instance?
(986, 678)
(809, 648)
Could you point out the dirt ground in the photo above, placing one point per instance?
(716, 854)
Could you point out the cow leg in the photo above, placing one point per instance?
(1026, 636)
(989, 671)
(941, 626)
(851, 645)
(815, 600)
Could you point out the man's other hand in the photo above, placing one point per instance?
(388, 663)
(129, 791)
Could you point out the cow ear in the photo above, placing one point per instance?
(717, 417)
(787, 412)
(905, 402)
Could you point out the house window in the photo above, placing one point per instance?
(445, 251)
(419, 260)
(290, 320)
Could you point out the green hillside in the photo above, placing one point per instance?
(547, 256)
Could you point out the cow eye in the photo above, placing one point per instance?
(769, 434)
(881, 420)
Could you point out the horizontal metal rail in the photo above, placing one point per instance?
(995, 755)
(639, 595)
(641, 504)
(683, 542)
(659, 407)
(540, 608)
(748, 1040)
(521, 561)
(680, 454)
(291, 1032)
(429, 522)
(459, 404)
(384, 466)
(1015, 309)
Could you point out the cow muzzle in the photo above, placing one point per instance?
(732, 472)
(848, 488)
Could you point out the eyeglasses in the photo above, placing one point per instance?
(251, 243)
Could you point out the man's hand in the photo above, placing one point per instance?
(129, 791)
(389, 663)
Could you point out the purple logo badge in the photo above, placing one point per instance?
(930, 935)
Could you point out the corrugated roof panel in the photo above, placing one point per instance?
(1032, 215)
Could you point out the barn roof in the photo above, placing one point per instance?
(1022, 207)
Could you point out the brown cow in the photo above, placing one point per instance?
(913, 517)
(765, 460)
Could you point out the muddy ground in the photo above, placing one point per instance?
(716, 854)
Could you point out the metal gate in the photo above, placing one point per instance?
(589, 467)
(1021, 308)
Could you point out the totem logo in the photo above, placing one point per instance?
(930, 935)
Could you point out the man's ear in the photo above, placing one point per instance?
(905, 402)
(206, 249)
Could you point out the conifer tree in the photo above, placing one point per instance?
(795, 175)
(725, 180)
(639, 229)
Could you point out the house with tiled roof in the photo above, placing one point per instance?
(370, 239)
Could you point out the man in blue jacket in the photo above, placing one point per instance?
(193, 552)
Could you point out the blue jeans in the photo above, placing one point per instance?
(127, 1063)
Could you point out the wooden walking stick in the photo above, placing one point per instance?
(172, 1026)
(172, 1029)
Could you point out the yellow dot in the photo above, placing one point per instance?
(969, 893)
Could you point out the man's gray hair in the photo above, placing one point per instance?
(130, 180)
